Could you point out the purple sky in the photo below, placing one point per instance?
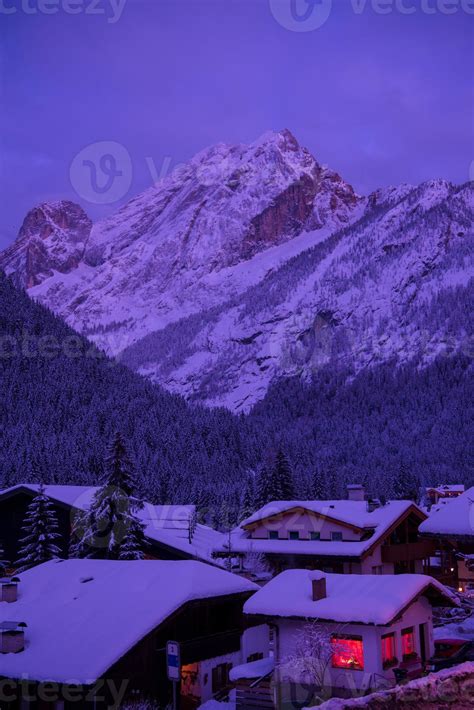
(382, 98)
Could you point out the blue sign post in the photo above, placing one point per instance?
(173, 667)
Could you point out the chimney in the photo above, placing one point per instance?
(319, 589)
(12, 636)
(356, 491)
(9, 589)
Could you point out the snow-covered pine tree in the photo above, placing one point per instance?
(282, 477)
(81, 544)
(118, 467)
(264, 489)
(406, 485)
(39, 542)
(104, 527)
(248, 503)
(132, 543)
(318, 488)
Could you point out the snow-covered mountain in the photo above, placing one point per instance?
(254, 262)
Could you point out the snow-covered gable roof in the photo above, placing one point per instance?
(452, 516)
(352, 598)
(165, 524)
(349, 512)
(77, 629)
(355, 513)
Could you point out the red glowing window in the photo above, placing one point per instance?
(408, 643)
(347, 652)
(388, 649)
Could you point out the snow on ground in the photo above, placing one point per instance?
(450, 688)
(365, 599)
(75, 632)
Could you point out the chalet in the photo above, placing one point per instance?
(353, 536)
(435, 493)
(450, 526)
(94, 632)
(172, 532)
(343, 633)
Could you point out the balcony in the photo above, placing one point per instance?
(407, 552)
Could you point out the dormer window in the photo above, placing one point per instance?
(336, 536)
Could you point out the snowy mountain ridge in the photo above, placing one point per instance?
(252, 263)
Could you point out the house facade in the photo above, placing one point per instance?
(97, 631)
(341, 635)
(352, 536)
(450, 528)
(443, 491)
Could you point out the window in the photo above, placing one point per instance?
(388, 651)
(408, 643)
(347, 652)
(336, 536)
(378, 569)
(315, 536)
(273, 534)
(294, 535)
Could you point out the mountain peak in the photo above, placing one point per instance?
(52, 238)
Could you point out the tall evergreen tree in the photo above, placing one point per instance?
(109, 528)
(282, 477)
(118, 467)
(406, 485)
(39, 542)
(318, 488)
(264, 490)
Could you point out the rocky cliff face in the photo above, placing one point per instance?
(52, 238)
(255, 262)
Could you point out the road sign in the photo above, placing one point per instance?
(173, 660)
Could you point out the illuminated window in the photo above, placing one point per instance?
(273, 534)
(388, 650)
(347, 652)
(315, 536)
(408, 643)
(294, 535)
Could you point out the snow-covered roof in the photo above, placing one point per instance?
(82, 616)
(452, 516)
(253, 669)
(351, 598)
(165, 524)
(350, 512)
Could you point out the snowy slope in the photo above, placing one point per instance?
(250, 263)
